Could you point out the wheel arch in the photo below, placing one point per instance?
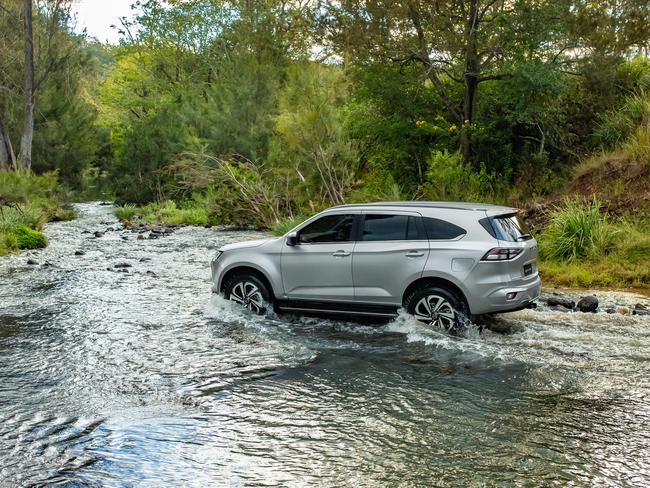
(246, 270)
(438, 282)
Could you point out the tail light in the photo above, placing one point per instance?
(502, 254)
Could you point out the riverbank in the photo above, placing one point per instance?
(27, 202)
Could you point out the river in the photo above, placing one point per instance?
(144, 378)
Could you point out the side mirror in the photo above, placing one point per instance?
(292, 239)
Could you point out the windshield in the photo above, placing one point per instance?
(510, 228)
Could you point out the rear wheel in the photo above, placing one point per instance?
(248, 291)
(437, 307)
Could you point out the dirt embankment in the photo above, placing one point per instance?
(621, 186)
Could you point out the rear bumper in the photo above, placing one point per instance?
(501, 299)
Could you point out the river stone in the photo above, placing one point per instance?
(641, 311)
(558, 308)
(140, 237)
(123, 265)
(587, 304)
(640, 306)
(32, 261)
(142, 260)
(623, 310)
(79, 253)
(562, 302)
(98, 233)
(610, 310)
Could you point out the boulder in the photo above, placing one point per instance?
(98, 233)
(554, 301)
(640, 306)
(623, 310)
(587, 304)
(79, 253)
(641, 311)
(32, 262)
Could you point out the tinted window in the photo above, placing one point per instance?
(510, 228)
(389, 228)
(331, 228)
(441, 229)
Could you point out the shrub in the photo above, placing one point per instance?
(448, 178)
(125, 212)
(577, 231)
(27, 238)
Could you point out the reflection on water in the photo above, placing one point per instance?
(129, 379)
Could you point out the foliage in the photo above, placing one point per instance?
(27, 201)
(577, 231)
(29, 238)
(449, 179)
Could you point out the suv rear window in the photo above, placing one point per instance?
(389, 228)
(441, 229)
(510, 228)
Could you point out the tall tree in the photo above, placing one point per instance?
(25, 156)
(456, 42)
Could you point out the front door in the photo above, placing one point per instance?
(319, 266)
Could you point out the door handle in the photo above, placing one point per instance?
(340, 254)
(414, 254)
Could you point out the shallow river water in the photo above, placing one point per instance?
(138, 379)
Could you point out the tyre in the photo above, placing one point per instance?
(249, 291)
(437, 307)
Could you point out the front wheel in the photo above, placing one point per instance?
(248, 291)
(438, 308)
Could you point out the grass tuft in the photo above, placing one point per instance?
(577, 231)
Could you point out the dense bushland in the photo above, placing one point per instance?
(259, 113)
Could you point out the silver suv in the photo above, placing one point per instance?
(438, 260)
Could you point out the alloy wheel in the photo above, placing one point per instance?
(249, 295)
(436, 311)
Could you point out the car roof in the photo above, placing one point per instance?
(484, 207)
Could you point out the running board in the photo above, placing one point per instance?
(338, 308)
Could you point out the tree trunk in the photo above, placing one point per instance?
(470, 80)
(7, 157)
(25, 157)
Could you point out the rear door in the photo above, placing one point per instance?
(390, 253)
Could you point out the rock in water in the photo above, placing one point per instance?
(79, 253)
(122, 265)
(587, 304)
(32, 261)
(623, 311)
(562, 302)
(98, 233)
(641, 311)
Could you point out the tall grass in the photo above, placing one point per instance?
(577, 231)
(285, 225)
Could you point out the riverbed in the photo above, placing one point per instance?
(139, 376)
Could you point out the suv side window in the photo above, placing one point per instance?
(390, 228)
(330, 228)
(441, 229)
